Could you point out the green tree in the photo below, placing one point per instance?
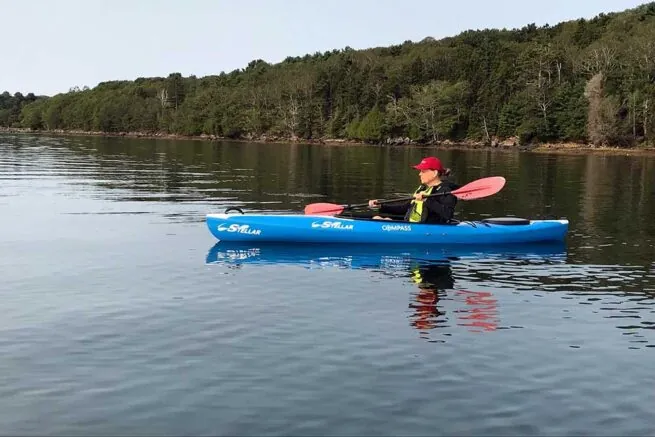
(538, 83)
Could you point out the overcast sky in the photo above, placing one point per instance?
(52, 45)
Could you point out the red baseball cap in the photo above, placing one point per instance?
(430, 163)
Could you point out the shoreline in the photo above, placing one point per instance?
(508, 144)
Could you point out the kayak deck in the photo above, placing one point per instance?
(297, 228)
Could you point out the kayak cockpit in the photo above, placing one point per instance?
(367, 215)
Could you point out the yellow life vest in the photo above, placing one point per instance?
(416, 211)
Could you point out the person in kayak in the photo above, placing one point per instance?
(423, 209)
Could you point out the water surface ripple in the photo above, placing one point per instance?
(122, 316)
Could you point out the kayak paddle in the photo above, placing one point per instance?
(473, 190)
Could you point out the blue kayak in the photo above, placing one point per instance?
(299, 228)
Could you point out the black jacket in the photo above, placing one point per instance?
(436, 209)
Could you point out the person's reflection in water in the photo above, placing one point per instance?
(434, 280)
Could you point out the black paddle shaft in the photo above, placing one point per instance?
(403, 199)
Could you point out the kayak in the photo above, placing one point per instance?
(299, 228)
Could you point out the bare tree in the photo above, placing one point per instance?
(601, 59)
(163, 97)
(594, 94)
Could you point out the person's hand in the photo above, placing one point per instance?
(373, 203)
(418, 196)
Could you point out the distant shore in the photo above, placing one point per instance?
(507, 144)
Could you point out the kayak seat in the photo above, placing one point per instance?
(506, 221)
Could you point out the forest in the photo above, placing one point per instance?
(582, 81)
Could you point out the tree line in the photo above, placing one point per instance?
(587, 81)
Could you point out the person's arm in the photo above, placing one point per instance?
(396, 208)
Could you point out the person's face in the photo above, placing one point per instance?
(427, 176)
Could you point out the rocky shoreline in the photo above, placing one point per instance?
(506, 144)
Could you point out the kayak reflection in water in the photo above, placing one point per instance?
(479, 313)
(423, 209)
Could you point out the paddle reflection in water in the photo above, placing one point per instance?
(430, 269)
(482, 316)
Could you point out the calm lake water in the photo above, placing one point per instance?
(122, 316)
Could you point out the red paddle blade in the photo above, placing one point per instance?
(323, 209)
(480, 188)
(474, 190)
